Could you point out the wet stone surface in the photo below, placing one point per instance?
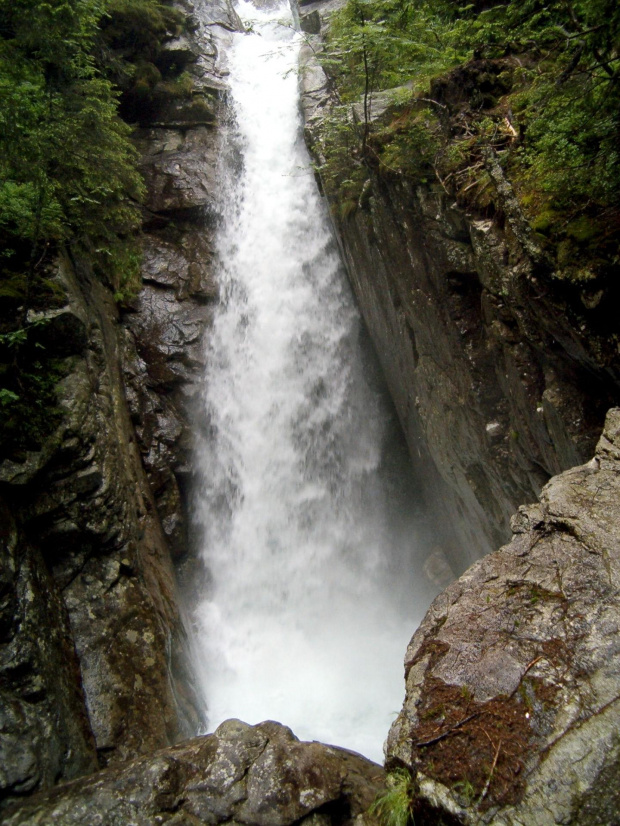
(93, 665)
(498, 380)
(251, 775)
(513, 703)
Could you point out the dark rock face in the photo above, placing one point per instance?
(163, 347)
(90, 549)
(252, 775)
(512, 709)
(498, 379)
(310, 23)
(44, 731)
(93, 666)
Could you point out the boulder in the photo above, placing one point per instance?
(252, 775)
(512, 708)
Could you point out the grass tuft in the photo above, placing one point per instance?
(395, 806)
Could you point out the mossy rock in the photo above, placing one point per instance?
(545, 222)
(179, 88)
(145, 78)
(583, 230)
(29, 412)
(566, 251)
(197, 111)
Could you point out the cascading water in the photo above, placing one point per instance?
(310, 550)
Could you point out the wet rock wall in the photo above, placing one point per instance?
(498, 373)
(502, 375)
(93, 649)
(83, 513)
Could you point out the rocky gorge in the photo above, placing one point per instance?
(500, 383)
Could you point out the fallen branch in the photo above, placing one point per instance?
(449, 732)
(434, 102)
(490, 777)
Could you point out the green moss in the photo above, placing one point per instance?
(465, 792)
(12, 289)
(145, 79)
(180, 87)
(45, 293)
(119, 265)
(545, 221)
(582, 230)
(566, 252)
(506, 77)
(409, 144)
(199, 110)
(347, 208)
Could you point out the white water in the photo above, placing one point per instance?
(312, 597)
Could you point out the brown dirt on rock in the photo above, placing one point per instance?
(478, 750)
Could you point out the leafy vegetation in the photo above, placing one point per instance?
(28, 377)
(67, 167)
(68, 170)
(133, 33)
(395, 806)
(536, 82)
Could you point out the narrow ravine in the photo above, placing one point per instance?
(313, 546)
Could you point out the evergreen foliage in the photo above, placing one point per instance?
(67, 167)
(537, 81)
(68, 170)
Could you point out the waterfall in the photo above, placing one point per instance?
(308, 538)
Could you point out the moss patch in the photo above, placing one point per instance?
(478, 750)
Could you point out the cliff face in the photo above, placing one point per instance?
(92, 646)
(84, 515)
(499, 376)
(499, 382)
(163, 331)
